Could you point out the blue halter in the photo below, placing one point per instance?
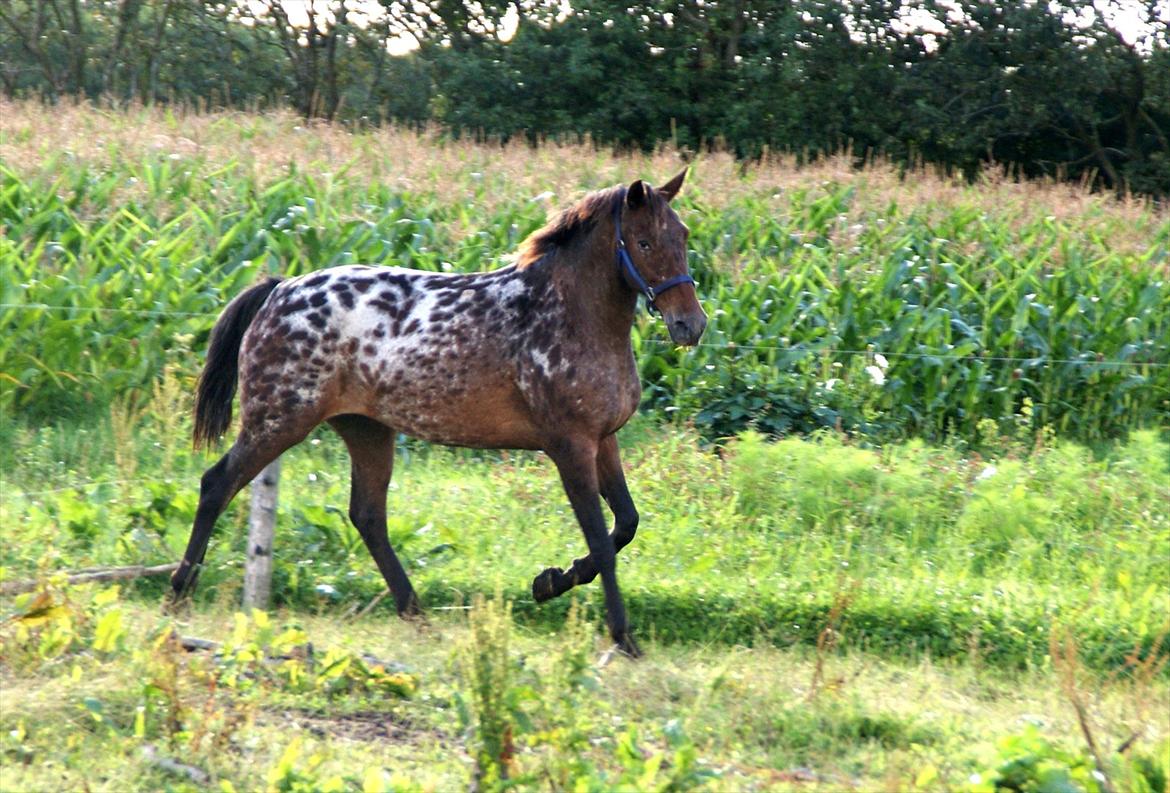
(626, 264)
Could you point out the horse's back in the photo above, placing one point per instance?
(410, 348)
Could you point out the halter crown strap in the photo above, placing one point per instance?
(627, 266)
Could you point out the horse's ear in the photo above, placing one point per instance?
(671, 188)
(637, 194)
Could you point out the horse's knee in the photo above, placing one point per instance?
(357, 516)
(366, 518)
(625, 527)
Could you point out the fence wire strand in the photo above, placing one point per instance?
(94, 483)
(972, 356)
(148, 312)
(793, 348)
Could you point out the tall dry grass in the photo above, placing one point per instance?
(33, 135)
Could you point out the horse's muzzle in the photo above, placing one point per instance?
(687, 329)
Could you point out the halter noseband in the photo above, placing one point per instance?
(626, 264)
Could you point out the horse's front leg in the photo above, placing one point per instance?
(611, 482)
(576, 460)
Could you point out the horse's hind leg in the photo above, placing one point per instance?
(371, 452)
(219, 485)
(611, 481)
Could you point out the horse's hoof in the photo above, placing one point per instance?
(412, 611)
(175, 605)
(544, 586)
(628, 647)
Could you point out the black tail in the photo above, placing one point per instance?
(217, 383)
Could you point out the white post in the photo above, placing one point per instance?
(261, 522)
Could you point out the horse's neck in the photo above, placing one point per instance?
(591, 288)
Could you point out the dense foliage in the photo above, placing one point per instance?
(832, 305)
(1073, 89)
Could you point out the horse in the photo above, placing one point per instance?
(533, 355)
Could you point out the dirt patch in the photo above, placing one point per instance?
(362, 725)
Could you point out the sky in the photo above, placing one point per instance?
(1125, 16)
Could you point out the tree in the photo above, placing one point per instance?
(1056, 88)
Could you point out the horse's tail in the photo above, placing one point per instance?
(217, 383)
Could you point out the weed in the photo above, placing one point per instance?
(829, 636)
(491, 707)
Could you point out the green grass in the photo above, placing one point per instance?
(750, 543)
(731, 718)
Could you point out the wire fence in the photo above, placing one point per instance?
(825, 349)
(257, 579)
(731, 345)
(94, 483)
(972, 356)
(148, 312)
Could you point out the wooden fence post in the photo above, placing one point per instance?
(261, 522)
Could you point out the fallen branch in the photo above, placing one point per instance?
(85, 576)
(152, 757)
(370, 606)
(193, 644)
(389, 666)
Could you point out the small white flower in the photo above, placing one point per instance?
(325, 589)
(832, 381)
(876, 374)
(881, 361)
(986, 473)
(312, 477)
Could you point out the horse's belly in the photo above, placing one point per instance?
(457, 404)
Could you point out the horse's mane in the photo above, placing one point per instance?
(568, 225)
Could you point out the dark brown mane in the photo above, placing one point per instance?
(568, 224)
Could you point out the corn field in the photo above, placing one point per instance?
(832, 303)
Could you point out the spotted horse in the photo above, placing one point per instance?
(535, 355)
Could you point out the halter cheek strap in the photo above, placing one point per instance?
(630, 270)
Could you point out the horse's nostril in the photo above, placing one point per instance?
(686, 330)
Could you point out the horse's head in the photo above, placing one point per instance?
(656, 242)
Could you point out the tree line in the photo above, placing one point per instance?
(1067, 89)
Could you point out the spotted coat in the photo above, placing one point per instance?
(431, 355)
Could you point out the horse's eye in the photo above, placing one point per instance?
(644, 245)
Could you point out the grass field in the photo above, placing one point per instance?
(688, 716)
(951, 576)
(927, 590)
